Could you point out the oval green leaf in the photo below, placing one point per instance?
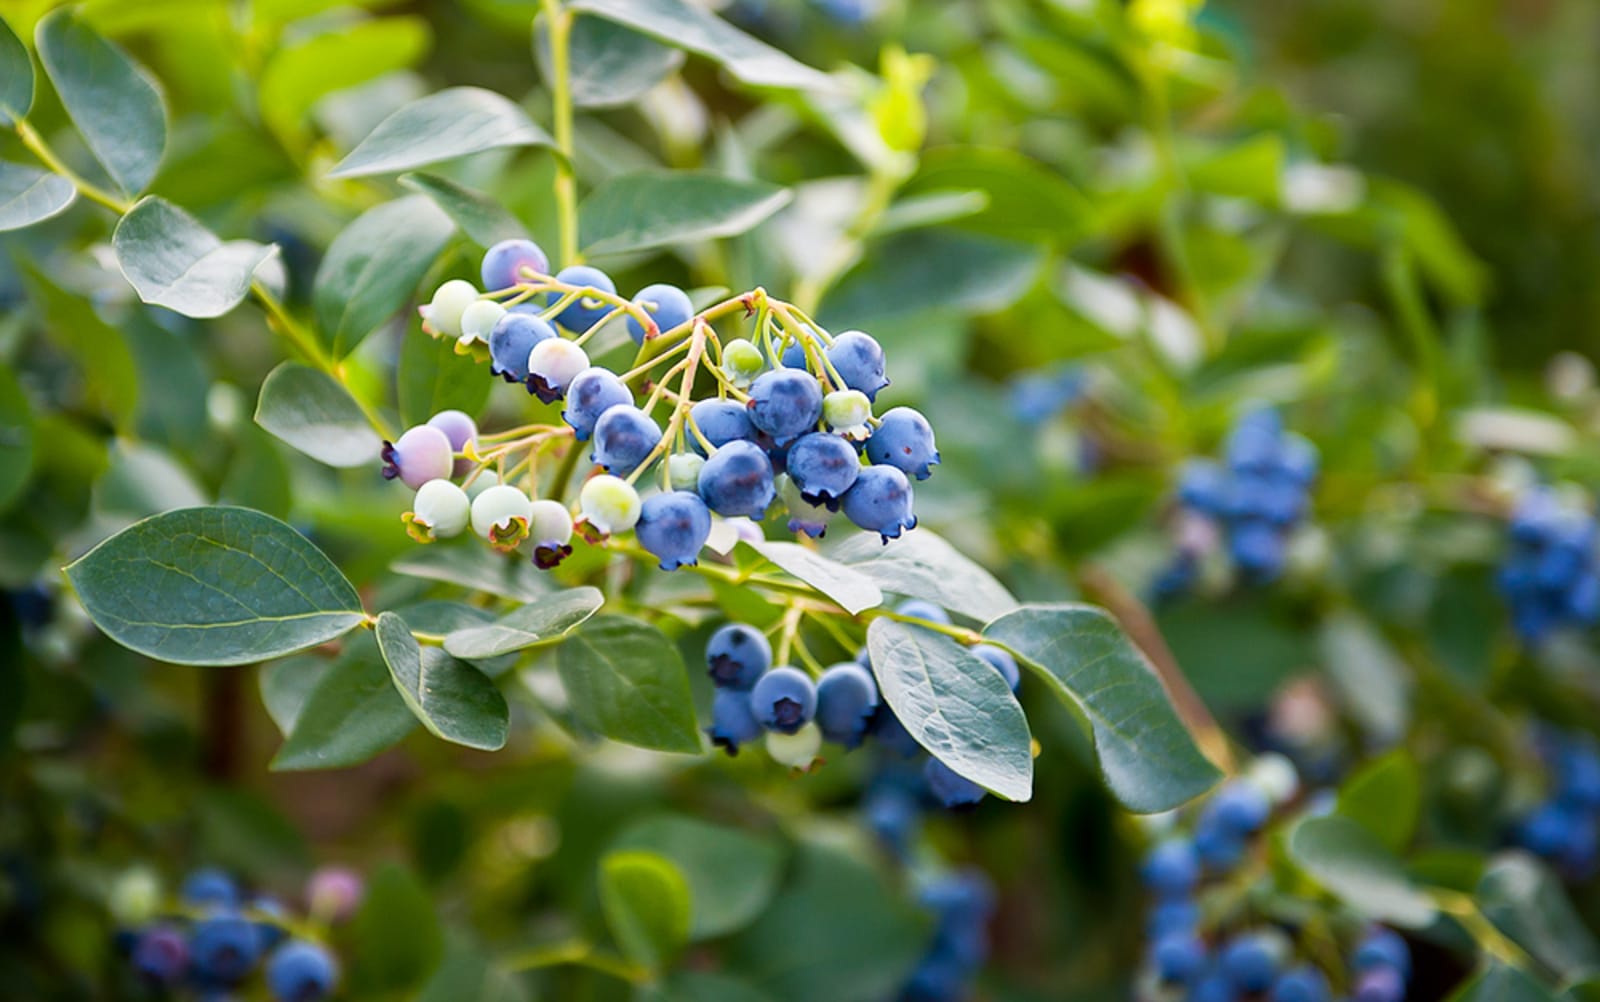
(171, 260)
(636, 212)
(697, 30)
(540, 622)
(16, 77)
(646, 901)
(1350, 863)
(1526, 901)
(300, 74)
(923, 565)
(454, 700)
(475, 567)
(732, 874)
(29, 195)
(307, 409)
(954, 705)
(480, 217)
(854, 591)
(349, 715)
(114, 103)
(453, 123)
(625, 680)
(214, 586)
(929, 270)
(611, 65)
(373, 267)
(435, 377)
(1147, 757)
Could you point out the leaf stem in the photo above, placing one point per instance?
(576, 954)
(38, 147)
(566, 185)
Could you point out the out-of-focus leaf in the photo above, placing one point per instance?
(398, 940)
(1368, 674)
(16, 437)
(1526, 901)
(298, 75)
(1349, 862)
(732, 875)
(171, 260)
(350, 715)
(373, 268)
(110, 379)
(16, 76)
(611, 65)
(646, 901)
(1025, 200)
(452, 123)
(640, 211)
(29, 195)
(309, 410)
(931, 270)
(476, 568)
(434, 377)
(480, 217)
(1384, 798)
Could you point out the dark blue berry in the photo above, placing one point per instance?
(823, 467)
(785, 403)
(720, 422)
(949, 788)
(904, 440)
(511, 342)
(673, 527)
(880, 501)
(737, 480)
(847, 697)
(301, 972)
(784, 700)
(667, 305)
(624, 437)
(1382, 948)
(209, 887)
(1172, 869)
(1250, 962)
(733, 720)
(584, 312)
(591, 394)
(1302, 984)
(1178, 958)
(737, 656)
(225, 947)
(858, 359)
(161, 954)
(504, 263)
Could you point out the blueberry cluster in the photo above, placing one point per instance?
(1251, 502)
(962, 904)
(216, 938)
(791, 418)
(842, 705)
(1259, 960)
(1565, 828)
(1550, 578)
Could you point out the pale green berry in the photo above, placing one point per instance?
(451, 300)
(742, 362)
(439, 511)
(479, 319)
(847, 413)
(135, 898)
(798, 750)
(481, 483)
(610, 503)
(683, 470)
(501, 515)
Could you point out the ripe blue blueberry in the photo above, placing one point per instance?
(1218, 847)
(1382, 948)
(594, 391)
(1212, 986)
(733, 720)
(624, 437)
(880, 501)
(892, 814)
(504, 263)
(1251, 961)
(904, 440)
(720, 422)
(785, 403)
(847, 697)
(737, 656)
(1301, 984)
(858, 358)
(161, 954)
(823, 467)
(1203, 486)
(667, 305)
(461, 430)
(948, 788)
(512, 341)
(422, 454)
(1178, 957)
(225, 947)
(1258, 548)
(585, 311)
(1379, 984)
(794, 355)
(1255, 443)
(301, 972)
(209, 887)
(673, 527)
(1180, 915)
(784, 700)
(1240, 807)
(918, 608)
(737, 480)
(270, 916)
(1002, 662)
(1172, 869)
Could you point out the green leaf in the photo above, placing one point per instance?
(435, 377)
(1368, 673)
(350, 715)
(398, 940)
(626, 681)
(29, 195)
(1526, 901)
(1148, 758)
(697, 30)
(453, 123)
(171, 260)
(926, 271)
(1350, 863)
(114, 103)
(700, 986)
(475, 567)
(732, 875)
(610, 65)
(1249, 169)
(480, 217)
(855, 592)
(469, 972)
(16, 437)
(16, 77)
(924, 565)
(286, 686)
(954, 705)
(636, 212)
(646, 901)
(1502, 983)
(1385, 798)
(300, 74)
(541, 622)
(373, 267)
(214, 586)
(1025, 200)
(309, 410)
(861, 953)
(111, 380)
(454, 700)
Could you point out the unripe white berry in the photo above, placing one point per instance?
(610, 504)
(450, 301)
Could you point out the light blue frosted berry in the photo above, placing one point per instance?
(504, 263)
(784, 700)
(1002, 661)
(673, 527)
(737, 480)
(918, 608)
(737, 655)
(858, 358)
(585, 311)
(667, 305)
(512, 341)
(847, 697)
(301, 971)
(785, 403)
(948, 788)
(624, 437)
(880, 501)
(904, 440)
(594, 391)
(823, 467)
(720, 422)
(733, 720)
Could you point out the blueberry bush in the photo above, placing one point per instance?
(776, 500)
